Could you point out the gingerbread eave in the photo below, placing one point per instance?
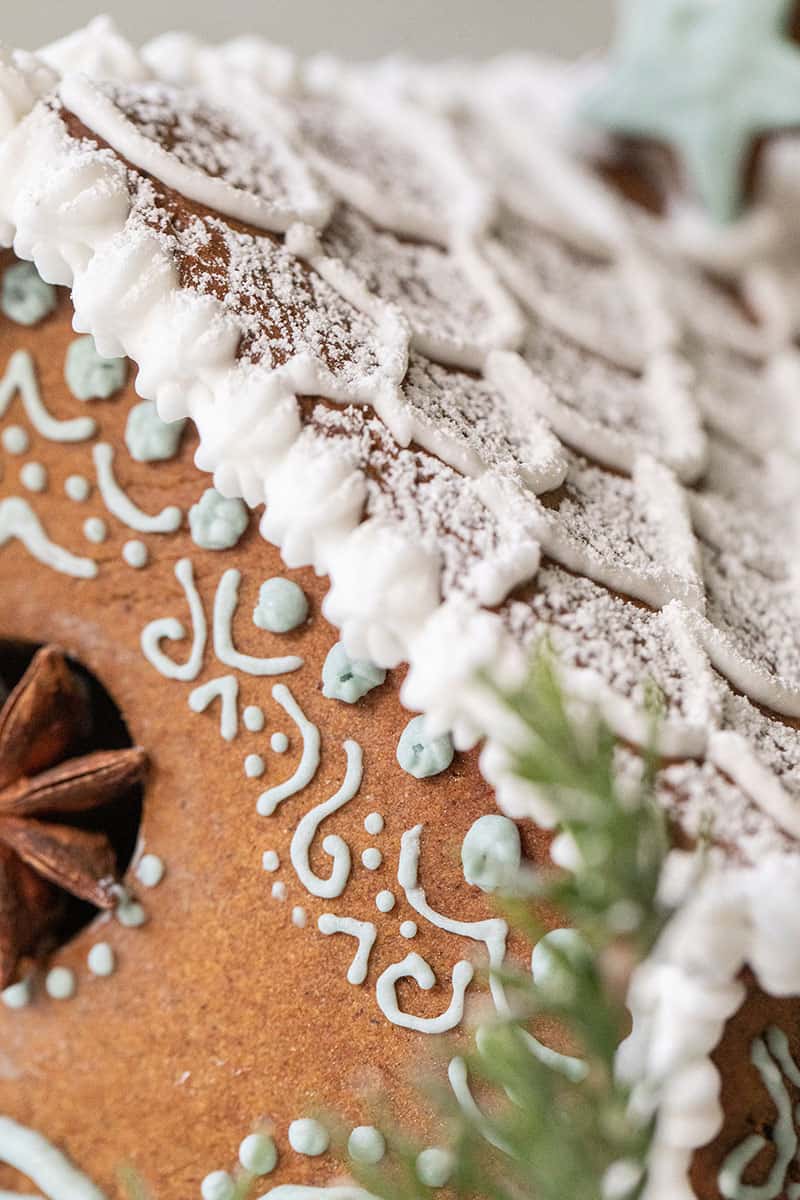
(630, 415)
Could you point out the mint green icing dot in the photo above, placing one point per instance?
(253, 718)
(77, 488)
(434, 1167)
(33, 476)
(282, 606)
(17, 995)
(366, 1144)
(95, 530)
(148, 438)
(60, 983)
(421, 755)
(348, 679)
(15, 439)
(100, 960)
(217, 523)
(491, 853)
(25, 297)
(89, 376)
(218, 1185)
(254, 766)
(308, 1137)
(258, 1154)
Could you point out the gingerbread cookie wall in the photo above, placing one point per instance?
(492, 400)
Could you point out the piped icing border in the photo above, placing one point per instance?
(68, 210)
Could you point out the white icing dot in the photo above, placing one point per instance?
(408, 929)
(15, 439)
(254, 766)
(150, 870)
(279, 743)
(385, 902)
(60, 983)
(279, 890)
(95, 530)
(136, 554)
(366, 1144)
(17, 995)
(270, 860)
(253, 718)
(374, 824)
(33, 476)
(100, 959)
(299, 917)
(77, 488)
(434, 1167)
(372, 858)
(307, 1136)
(258, 1154)
(218, 1186)
(131, 914)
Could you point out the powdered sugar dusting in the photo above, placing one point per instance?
(456, 311)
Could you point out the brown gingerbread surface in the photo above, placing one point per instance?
(222, 1015)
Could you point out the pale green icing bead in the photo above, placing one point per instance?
(100, 959)
(25, 297)
(131, 914)
(550, 972)
(434, 1167)
(258, 1154)
(150, 870)
(217, 523)
(218, 1185)
(491, 853)
(89, 376)
(282, 606)
(17, 995)
(148, 438)
(366, 1144)
(60, 983)
(308, 1137)
(421, 755)
(348, 679)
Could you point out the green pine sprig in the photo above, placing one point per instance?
(536, 1131)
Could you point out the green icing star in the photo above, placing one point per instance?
(705, 76)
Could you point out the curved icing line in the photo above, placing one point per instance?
(173, 630)
(309, 760)
(32, 1155)
(785, 1141)
(505, 327)
(18, 520)
(99, 113)
(123, 508)
(493, 932)
(415, 967)
(226, 688)
(20, 376)
(458, 1076)
(225, 605)
(365, 934)
(333, 845)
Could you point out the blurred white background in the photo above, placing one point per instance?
(355, 28)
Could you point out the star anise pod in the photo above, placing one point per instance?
(41, 858)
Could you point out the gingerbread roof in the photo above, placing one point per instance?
(472, 380)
